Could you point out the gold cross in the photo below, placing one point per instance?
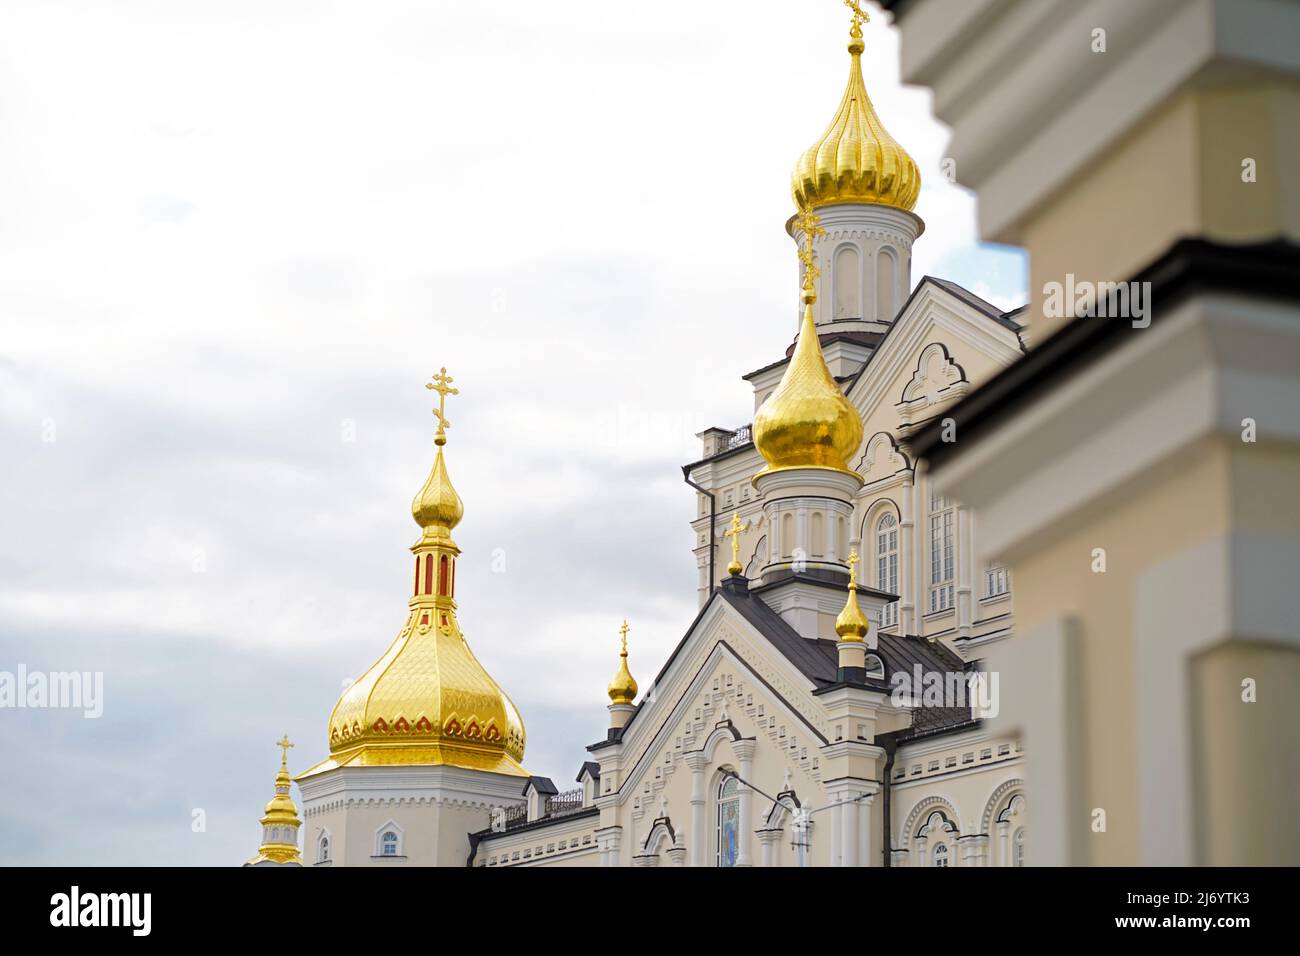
(442, 385)
(859, 17)
(853, 568)
(284, 745)
(623, 631)
(734, 534)
(810, 224)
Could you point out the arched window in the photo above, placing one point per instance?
(1018, 847)
(728, 822)
(323, 849)
(886, 272)
(388, 844)
(941, 855)
(887, 565)
(848, 279)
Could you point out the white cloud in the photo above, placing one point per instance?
(226, 229)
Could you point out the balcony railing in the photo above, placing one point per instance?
(741, 436)
(562, 804)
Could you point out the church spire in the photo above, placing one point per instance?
(427, 701)
(280, 822)
(807, 421)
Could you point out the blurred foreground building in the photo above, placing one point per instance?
(1137, 470)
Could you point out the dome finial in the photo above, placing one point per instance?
(622, 689)
(855, 160)
(442, 385)
(852, 624)
(437, 507)
(734, 532)
(859, 17)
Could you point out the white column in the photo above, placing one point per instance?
(744, 751)
(864, 830)
(922, 852)
(1004, 858)
(849, 846)
(698, 839)
(769, 840)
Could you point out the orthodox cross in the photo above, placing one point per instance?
(623, 633)
(810, 224)
(853, 568)
(284, 745)
(442, 385)
(859, 17)
(733, 533)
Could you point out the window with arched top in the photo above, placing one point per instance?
(887, 565)
(728, 821)
(941, 855)
(388, 844)
(942, 521)
(323, 849)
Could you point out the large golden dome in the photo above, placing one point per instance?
(807, 421)
(427, 700)
(855, 160)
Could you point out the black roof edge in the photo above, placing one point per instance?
(1191, 265)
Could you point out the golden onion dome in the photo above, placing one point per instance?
(807, 422)
(427, 700)
(852, 624)
(622, 689)
(855, 160)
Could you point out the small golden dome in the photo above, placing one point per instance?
(437, 507)
(622, 689)
(852, 624)
(807, 422)
(855, 160)
(280, 821)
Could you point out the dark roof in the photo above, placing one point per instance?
(591, 767)
(817, 659)
(489, 834)
(1191, 266)
(970, 298)
(541, 785)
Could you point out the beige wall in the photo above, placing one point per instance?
(1176, 174)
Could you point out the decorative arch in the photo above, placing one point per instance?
(381, 839)
(725, 730)
(661, 831)
(881, 447)
(923, 810)
(999, 799)
(935, 371)
(781, 812)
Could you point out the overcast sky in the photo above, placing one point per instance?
(234, 233)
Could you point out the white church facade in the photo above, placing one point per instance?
(825, 706)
